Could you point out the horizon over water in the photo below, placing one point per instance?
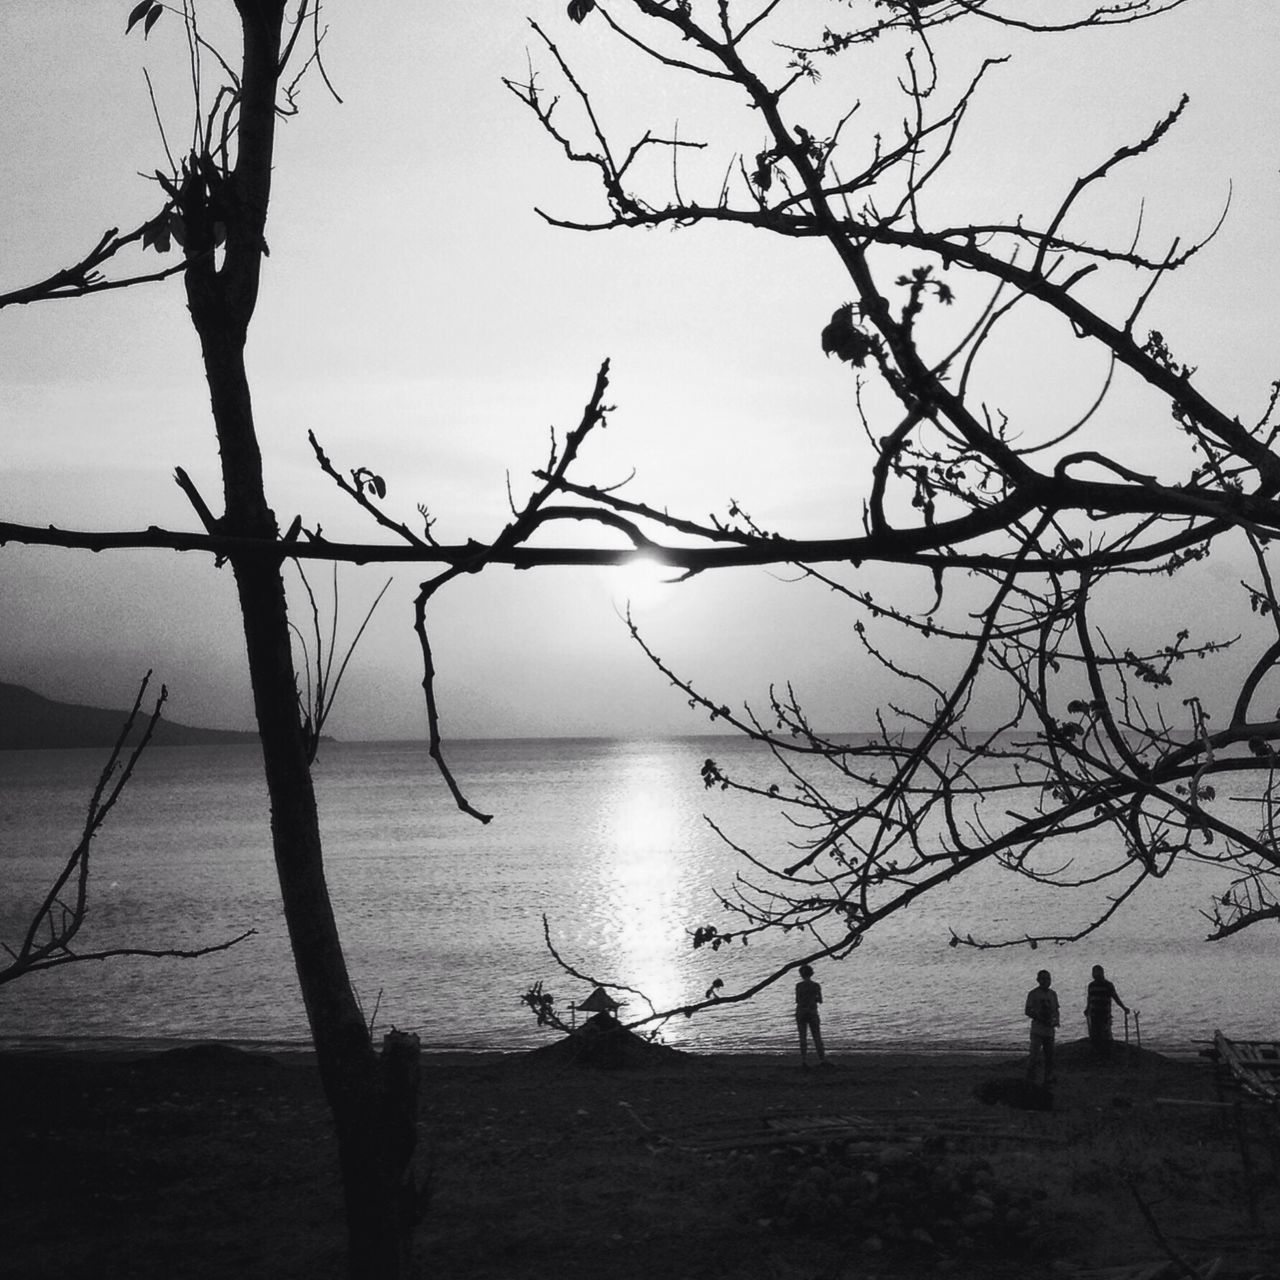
(441, 917)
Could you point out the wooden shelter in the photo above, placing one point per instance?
(599, 1001)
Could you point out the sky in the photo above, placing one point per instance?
(425, 322)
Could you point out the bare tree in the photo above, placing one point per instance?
(953, 492)
(1035, 531)
(50, 938)
(214, 203)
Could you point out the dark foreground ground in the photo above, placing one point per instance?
(209, 1162)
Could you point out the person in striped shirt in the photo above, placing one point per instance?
(1101, 995)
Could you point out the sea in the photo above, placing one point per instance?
(607, 854)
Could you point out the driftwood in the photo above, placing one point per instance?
(1251, 1065)
(1162, 1270)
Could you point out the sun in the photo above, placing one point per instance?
(641, 582)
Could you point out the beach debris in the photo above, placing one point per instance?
(1015, 1091)
(900, 1132)
(1165, 1269)
(1250, 1065)
(917, 1203)
(630, 1111)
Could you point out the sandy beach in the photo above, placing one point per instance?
(212, 1162)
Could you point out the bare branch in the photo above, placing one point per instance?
(48, 942)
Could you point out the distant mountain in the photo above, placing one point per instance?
(29, 722)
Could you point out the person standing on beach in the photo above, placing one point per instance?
(808, 1022)
(1101, 995)
(1042, 1009)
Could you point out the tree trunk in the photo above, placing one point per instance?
(373, 1099)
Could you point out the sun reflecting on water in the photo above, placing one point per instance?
(641, 872)
(442, 919)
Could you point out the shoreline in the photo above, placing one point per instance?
(128, 1047)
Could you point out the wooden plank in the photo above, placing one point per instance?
(1162, 1270)
(1252, 1064)
(811, 1124)
(859, 1139)
(859, 1144)
(1194, 1102)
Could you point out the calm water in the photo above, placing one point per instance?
(442, 918)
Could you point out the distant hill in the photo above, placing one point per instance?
(29, 722)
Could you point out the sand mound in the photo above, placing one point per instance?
(1080, 1053)
(200, 1061)
(605, 1043)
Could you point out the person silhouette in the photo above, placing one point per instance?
(808, 1021)
(1099, 997)
(1042, 1009)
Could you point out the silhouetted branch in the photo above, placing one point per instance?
(573, 972)
(1084, 745)
(316, 699)
(55, 924)
(85, 277)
